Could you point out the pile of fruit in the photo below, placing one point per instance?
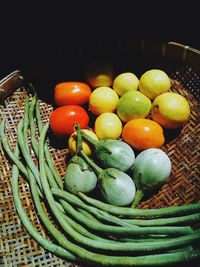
(116, 103)
(131, 111)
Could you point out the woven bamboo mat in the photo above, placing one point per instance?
(17, 248)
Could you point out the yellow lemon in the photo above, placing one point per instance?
(87, 148)
(153, 83)
(125, 82)
(103, 99)
(108, 126)
(170, 110)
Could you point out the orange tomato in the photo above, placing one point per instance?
(71, 93)
(143, 133)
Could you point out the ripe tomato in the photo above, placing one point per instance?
(62, 119)
(71, 93)
(143, 133)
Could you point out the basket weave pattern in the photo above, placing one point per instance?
(17, 248)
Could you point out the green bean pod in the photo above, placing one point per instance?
(161, 212)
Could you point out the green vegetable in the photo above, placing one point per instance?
(112, 153)
(26, 119)
(26, 154)
(102, 215)
(33, 138)
(150, 170)
(46, 244)
(49, 159)
(126, 211)
(182, 220)
(118, 230)
(11, 155)
(79, 177)
(116, 186)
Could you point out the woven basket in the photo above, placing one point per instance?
(182, 63)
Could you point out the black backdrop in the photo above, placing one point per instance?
(34, 32)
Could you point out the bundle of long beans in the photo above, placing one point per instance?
(95, 232)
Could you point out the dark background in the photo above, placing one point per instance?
(31, 33)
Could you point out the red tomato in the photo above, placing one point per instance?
(62, 119)
(71, 93)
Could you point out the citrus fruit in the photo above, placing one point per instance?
(132, 105)
(108, 126)
(103, 99)
(72, 143)
(170, 110)
(125, 82)
(143, 133)
(154, 82)
(99, 73)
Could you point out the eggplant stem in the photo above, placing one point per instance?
(88, 138)
(79, 139)
(80, 151)
(96, 168)
(138, 196)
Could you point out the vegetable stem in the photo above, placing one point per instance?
(79, 139)
(96, 168)
(139, 195)
(88, 138)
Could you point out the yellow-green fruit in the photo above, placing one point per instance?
(103, 99)
(154, 82)
(170, 110)
(72, 142)
(108, 126)
(133, 105)
(125, 82)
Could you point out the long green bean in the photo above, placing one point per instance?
(11, 155)
(183, 220)
(26, 154)
(32, 125)
(161, 212)
(26, 120)
(34, 141)
(74, 200)
(124, 230)
(48, 245)
(88, 215)
(47, 152)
